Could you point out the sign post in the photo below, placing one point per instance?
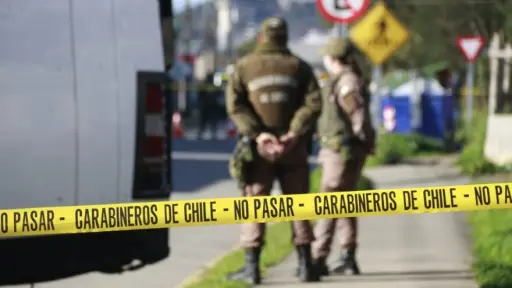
(342, 12)
(470, 46)
(379, 35)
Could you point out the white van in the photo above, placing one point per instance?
(74, 76)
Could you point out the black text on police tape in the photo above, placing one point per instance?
(502, 195)
(264, 208)
(143, 215)
(379, 202)
(28, 221)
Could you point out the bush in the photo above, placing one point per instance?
(472, 160)
(394, 148)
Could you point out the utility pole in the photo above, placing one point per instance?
(168, 32)
(188, 19)
(224, 23)
(182, 84)
(230, 29)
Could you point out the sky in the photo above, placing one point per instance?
(179, 5)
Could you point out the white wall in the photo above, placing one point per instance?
(67, 97)
(498, 138)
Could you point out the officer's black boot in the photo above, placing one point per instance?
(347, 264)
(306, 271)
(250, 273)
(321, 266)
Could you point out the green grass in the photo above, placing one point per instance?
(278, 247)
(471, 159)
(492, 246)
(395, 148)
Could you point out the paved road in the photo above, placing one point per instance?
(409, 251)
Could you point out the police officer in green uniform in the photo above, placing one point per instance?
(346, 139)
(273, 98)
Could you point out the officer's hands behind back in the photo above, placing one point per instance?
(288, 141)
(269, 146)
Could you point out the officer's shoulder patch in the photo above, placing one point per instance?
(346, 89)
(347, 84)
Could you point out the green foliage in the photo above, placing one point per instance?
(392, 149)
(434, 26)
(471, 159)
(395, 148)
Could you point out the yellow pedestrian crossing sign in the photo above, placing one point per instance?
(379, 34)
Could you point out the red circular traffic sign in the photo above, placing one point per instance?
(342, 11)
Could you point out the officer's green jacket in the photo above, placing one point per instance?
(272, 90)
(345, 115)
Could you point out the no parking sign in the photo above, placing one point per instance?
(342, 11)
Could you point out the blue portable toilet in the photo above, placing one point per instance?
(437, 109)
(403, 100)
(420, 105)
(402, 114)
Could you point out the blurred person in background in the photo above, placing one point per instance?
(209, 110)
(346, 139)
(273, 99)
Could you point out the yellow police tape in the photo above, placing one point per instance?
(150, 215)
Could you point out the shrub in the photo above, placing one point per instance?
(394, 148)
(472, 160)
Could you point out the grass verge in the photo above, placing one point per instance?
(471, 159)
(395, 148)
(278, 247)
(492, 247)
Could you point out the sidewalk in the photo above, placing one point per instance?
(424, 250)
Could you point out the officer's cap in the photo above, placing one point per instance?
(274, 28)
(335, 47)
